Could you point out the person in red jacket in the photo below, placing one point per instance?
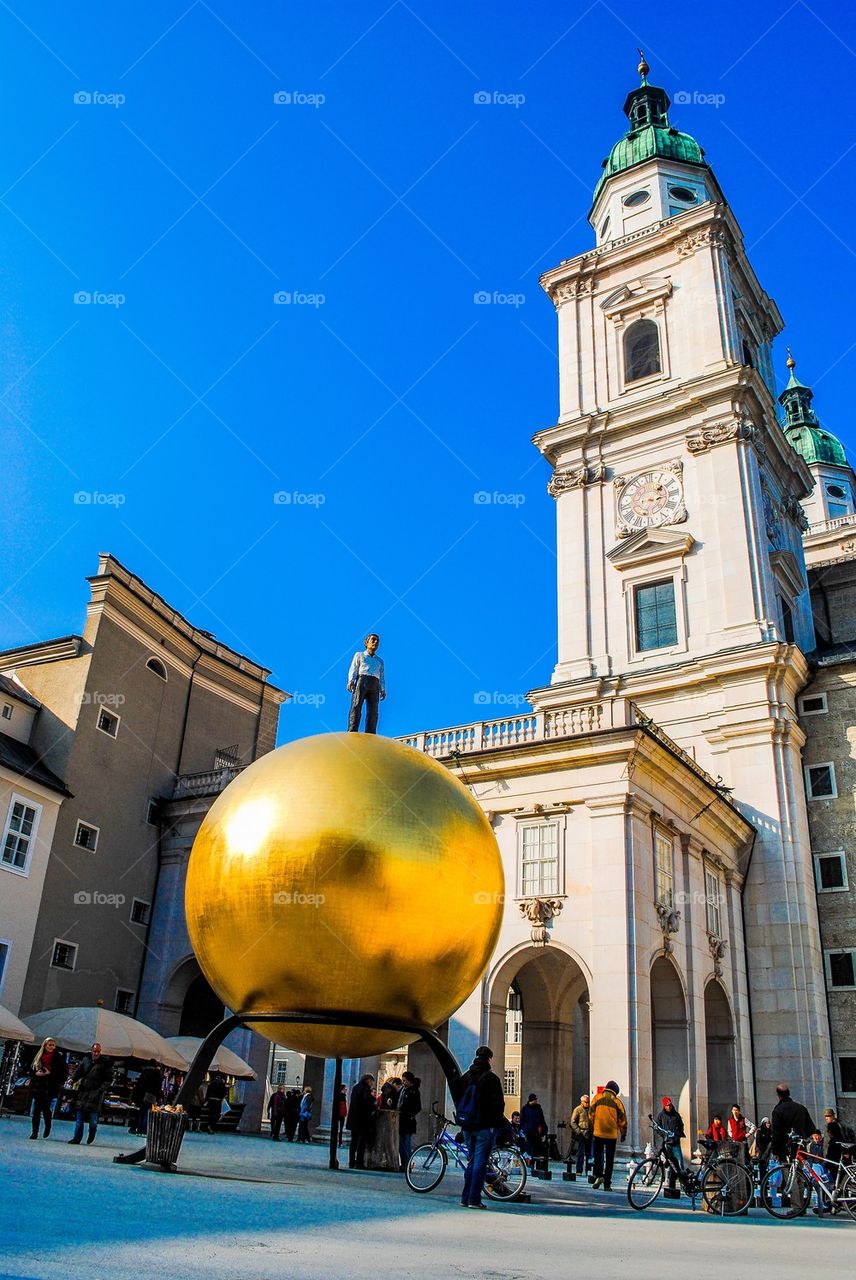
(738, 1131)
(717, 1131)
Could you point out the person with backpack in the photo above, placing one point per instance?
(479, 1111)
(609, 1123)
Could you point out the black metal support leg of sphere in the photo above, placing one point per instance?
(336, 1018)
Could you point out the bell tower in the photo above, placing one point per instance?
(681, 577)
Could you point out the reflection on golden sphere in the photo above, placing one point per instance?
(344, 872)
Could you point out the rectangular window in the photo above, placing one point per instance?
(140, 911)
(108, 723)
(152, 813)
(712, 897)
(7, 711)
(280, 1073)
(540, 860)
(511, 1082)
(5, 949)
(124, 1002)
(656, 622)
(841, 969)
(820, 781)
(19, 834)
(787, 620)
(665, 881)
(813, 704)
(847, 1074)
(830, 872)
(86, 836)
(64, 954)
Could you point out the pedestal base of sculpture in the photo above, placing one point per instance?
(382, 1148)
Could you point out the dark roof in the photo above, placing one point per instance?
(13, 690)
(21, 758)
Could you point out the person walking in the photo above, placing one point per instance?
(480, 1110)
(341, 1113)
(307, 1102)
(533, 1122)
(214, 1097)
(609, 1123)
(360, 1112)
(788, 1116)
(276, 1112)
(47, 1076)
(670, 1120)
(92, 1076)
(409, 1106)
(147, 1092)
(581, 1132)
(292, 1113)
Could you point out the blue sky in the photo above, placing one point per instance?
(381, 198)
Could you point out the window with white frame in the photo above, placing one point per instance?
(830, 872)
(820, 781)
(847, 1074)
(64, 954)
(813, 704)
(514, 1017)
(140, 911)
(539, 859)
(663, 852)
(280, 1073)
(655, 616)
(713, 893)
(155, 665)
(19, 834)
(124, 1002)
(107, 722)
(841, 969)
(510, 1082)
(86, 836)
(5, 952)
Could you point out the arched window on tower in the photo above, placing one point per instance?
(155, 665)
(641, 350)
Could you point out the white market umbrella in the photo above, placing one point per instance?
(119, 1036)
(12, 1028)
(225, 1061)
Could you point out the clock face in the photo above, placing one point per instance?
(651, 499)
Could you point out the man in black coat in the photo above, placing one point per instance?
(409, 1106)
(93, 1076)
(359, 1120)
(533, 1124)
(788, 1116)
(480, 1128)
(146, 1094)
(670, 1120)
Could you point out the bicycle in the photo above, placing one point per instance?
(723, 1183)
(506, 1167)
(791, 1184)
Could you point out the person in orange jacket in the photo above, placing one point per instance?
(609, 1123)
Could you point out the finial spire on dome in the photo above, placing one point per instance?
(790, 362)
(643, 67)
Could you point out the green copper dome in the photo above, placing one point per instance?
(650, 134)
(804, 432)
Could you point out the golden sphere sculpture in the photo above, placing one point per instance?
(344, 872)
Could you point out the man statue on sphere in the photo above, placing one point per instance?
(366, 684)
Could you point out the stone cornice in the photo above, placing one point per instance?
(575, 478)
(31, 655)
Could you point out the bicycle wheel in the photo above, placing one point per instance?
(847, 1193)
(426, 1167)
(645, 1183)
(727, 1188)
(506, 1174)
(786, 1191)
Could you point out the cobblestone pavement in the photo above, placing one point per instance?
(250, 1209)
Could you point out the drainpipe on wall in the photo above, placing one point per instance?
(748, 985)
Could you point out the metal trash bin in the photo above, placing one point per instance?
(166, 1130)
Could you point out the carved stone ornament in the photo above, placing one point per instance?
(721, 433)
(717, 951)
(540, 911)
(670, 922)
(791, 507)
(578, 288)
(707, 237)
(575, 478)
(771, 516)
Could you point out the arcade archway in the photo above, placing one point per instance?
(719, 1044)
(669, 1037)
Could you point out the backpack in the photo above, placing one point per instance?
(847, 1133)
(467, 1111)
